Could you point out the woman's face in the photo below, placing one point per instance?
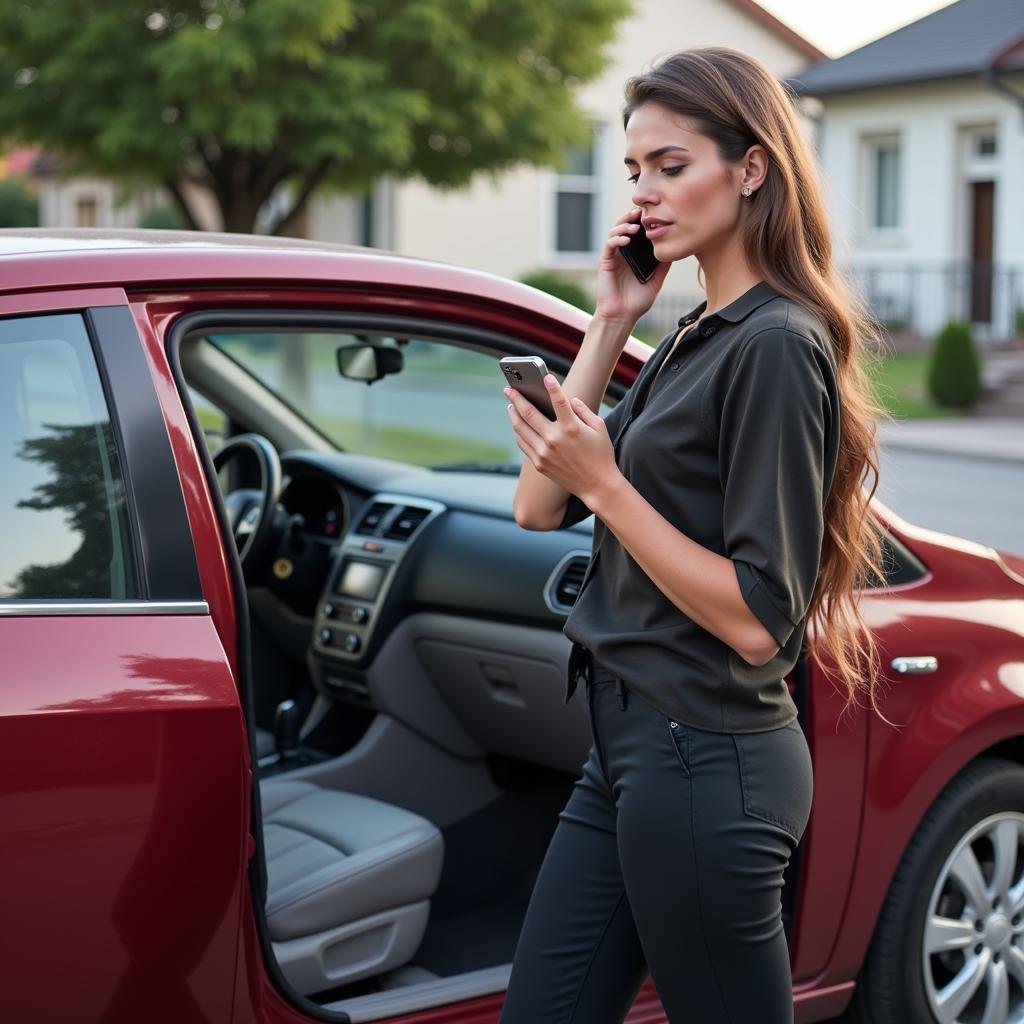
(680, 181)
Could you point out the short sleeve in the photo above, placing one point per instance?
(774, 445)
(575, 510)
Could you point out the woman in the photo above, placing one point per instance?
(726, 487)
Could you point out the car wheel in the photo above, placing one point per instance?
(948, 946)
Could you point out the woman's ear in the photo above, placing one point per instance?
(754, 167)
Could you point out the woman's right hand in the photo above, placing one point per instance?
(620, 296)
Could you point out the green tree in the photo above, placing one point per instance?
(243, 96)
(79, 487)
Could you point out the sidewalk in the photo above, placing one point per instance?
(986, 437)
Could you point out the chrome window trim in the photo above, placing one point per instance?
(101, 607)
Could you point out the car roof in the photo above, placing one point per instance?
(23, 241)
(136, 259)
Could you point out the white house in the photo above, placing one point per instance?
(921, 139)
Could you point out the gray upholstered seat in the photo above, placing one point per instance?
(349, 882)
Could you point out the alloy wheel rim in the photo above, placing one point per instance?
(973, 939)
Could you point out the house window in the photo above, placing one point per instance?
(85, 212)
(883, 175)
(578, 199)
(985, 144)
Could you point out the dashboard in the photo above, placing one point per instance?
(370, 541)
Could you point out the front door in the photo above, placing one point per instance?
(982, 206)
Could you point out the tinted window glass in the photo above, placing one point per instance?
(64, 530)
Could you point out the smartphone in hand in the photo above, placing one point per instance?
(638, 252)
(526, 374)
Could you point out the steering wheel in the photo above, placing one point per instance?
(251, 510)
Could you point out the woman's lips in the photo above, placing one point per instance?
(655, 232)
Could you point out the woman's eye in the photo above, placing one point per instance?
(667, 170)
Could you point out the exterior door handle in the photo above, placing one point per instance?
(916, 665)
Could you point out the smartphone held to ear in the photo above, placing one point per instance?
(638, 252)
(526, 374)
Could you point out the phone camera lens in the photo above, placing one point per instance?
(519, 376)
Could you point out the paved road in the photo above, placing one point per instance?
(970, 496)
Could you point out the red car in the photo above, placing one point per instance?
(282, 726)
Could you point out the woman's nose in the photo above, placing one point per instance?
(643, 194)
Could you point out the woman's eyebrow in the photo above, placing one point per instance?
(655, 153)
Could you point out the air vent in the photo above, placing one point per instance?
(567, 586)
(406, 522)
(373, 517)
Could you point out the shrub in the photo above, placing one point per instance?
(561, 288)
(166, 217)
(954, 369)
(1018, 321)
(19, 207)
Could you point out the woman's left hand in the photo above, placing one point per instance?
(574, 451)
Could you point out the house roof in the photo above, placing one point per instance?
(965, 38)
(782, 30)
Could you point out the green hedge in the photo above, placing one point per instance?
(19, 207)
(165, 217)
(954, 370)
(561, 288)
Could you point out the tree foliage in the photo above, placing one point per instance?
(244, 95)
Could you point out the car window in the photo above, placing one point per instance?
(444, 407)
(63, 509)
(212, 419)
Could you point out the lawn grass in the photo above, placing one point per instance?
(420, 447)
(900, 387)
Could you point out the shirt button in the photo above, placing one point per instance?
(707, 331)
(674, 366)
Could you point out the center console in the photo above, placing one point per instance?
(364, 567)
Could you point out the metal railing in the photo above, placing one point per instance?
(918, 296)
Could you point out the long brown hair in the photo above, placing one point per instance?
(737, 102)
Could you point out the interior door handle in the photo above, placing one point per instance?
(915, 665)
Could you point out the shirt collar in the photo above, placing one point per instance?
(737, 310)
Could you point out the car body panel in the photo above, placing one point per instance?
(970, 617)
(121, 837)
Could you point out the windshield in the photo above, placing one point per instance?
(444, 408)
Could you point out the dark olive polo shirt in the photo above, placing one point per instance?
(735, 445)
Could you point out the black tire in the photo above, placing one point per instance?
(891, 986)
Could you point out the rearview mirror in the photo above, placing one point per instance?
(368, 362)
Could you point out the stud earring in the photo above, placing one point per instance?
(746, 190)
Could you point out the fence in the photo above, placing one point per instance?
(918, 296)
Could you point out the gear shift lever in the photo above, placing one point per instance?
(287, 720)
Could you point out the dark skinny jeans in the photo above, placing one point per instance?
(667, 860)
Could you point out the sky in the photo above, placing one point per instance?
(837, 27)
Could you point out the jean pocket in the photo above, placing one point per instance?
(680, 741)
(776, 777)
